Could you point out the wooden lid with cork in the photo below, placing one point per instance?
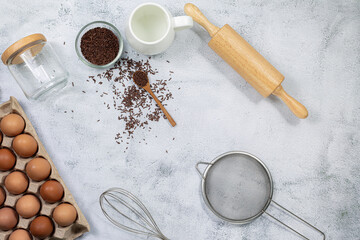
(33, 42)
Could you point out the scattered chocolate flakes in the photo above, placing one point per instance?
(135, 107)
(72, 83)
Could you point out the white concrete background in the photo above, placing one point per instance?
(314, 162)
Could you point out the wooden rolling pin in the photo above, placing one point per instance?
(242, 57)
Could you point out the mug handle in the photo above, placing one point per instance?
(182, 22)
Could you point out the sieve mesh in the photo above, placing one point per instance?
(237, 187)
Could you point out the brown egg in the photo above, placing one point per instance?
(12, 125)
(1, 137)
(16, 182)
(51, 191)
(7, 159)
(28, 206)
(20, 234)
(8, 218)
(2, 196)
(25, 145)
(38, 169)
(65, 214)
(41, 227)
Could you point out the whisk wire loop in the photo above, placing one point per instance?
(131, 208)
(120, 196)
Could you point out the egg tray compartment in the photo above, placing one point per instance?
(80, 226)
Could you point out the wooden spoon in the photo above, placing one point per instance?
(146, 85)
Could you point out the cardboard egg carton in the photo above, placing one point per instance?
(80, 226)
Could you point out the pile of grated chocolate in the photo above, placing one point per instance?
(134, 105)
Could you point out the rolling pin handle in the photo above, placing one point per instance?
(297, 108)
(194, 12)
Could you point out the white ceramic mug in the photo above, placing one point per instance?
(151, 28)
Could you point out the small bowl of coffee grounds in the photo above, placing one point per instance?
(99, 44)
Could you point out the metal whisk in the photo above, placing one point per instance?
(120, 206)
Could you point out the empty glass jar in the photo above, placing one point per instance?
(35, 66)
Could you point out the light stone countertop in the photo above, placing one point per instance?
(314, 162)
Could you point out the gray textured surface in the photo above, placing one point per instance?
(314, 162)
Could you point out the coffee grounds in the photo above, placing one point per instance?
(140, 78)
(133, 105)
(99, 46)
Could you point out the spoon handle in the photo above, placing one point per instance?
(171, 120)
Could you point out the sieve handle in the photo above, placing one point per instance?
(299, 218)
(198, 169)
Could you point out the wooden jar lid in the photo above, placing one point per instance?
(13, 52)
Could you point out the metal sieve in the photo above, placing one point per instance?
(238, 188)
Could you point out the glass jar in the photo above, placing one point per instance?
(35, 66)
(90, 26)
